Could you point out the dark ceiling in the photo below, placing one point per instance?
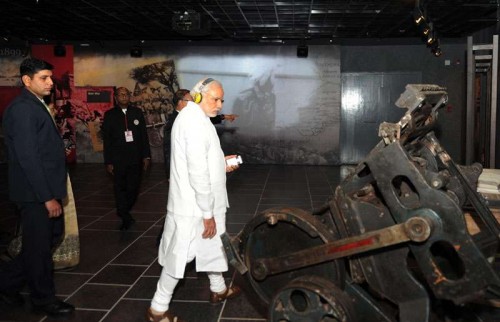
(238, 20)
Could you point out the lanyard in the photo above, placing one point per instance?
(126, 123)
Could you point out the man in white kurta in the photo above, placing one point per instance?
(197, 201)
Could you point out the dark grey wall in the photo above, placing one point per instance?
(408, 58)
(485, 36)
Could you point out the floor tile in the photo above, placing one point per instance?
(80, 316)
(118, 274)
(128, 310)
(142, 252)
(92, 296)
(68, 282)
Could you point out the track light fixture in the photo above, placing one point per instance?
(431, 37)
(436, 52)
(418, 16)
(436, 49)
(427, 29)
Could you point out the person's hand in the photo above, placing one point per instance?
(109, 169)
(230, 117)
(145, 163)
(231, 168)
(54, 208)
(210, 228)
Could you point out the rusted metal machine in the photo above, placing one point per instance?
(390, 245)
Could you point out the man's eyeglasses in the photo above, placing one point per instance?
(216, 98)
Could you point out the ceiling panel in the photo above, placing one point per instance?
(245, 20)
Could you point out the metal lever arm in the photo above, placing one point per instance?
(417, 229)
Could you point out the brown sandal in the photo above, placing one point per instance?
(231, 292)
(165, 317)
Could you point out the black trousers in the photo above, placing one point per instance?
(127, 179)
(34, 264)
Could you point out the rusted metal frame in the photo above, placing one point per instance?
(451, 231)
(476, 200)
(234, 247)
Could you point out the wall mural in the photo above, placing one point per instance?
(85, 113)
(155, 85)
(152, 82)
(289, 107)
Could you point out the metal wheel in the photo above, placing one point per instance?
(311, 298)
(279, 231)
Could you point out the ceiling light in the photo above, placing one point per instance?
(431, 38)
(271, 25)
(437, 51)
(279, 41)
(426, 29)
(418, 16)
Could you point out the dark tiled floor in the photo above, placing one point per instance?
(118, 271)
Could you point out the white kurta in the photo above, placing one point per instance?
(197, 190)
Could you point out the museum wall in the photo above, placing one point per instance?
(448, 70)
(289, 107)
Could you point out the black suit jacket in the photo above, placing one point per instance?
(35, 151)
(116, 150)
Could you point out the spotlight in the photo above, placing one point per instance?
(426, 28)
(418, 16)
(436, 52)
(436, 49)
(431, 38)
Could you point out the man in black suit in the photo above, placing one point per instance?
(126, 152)
(37, 183)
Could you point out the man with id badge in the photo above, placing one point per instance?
(126, 152)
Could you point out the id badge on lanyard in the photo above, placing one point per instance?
(129, 137)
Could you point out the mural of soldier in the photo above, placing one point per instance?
(256, 106)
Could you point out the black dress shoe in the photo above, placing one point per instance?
(55, 308)
(14, 299)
